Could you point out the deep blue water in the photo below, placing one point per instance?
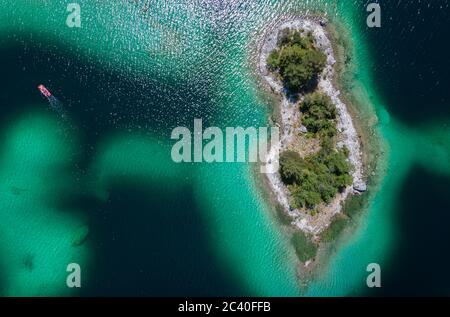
(410, 58)
(411, 68)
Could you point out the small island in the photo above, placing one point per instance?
(315, 177)
(320, 158)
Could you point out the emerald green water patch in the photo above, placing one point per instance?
(433, 153)
(244, 234)
(134, 156)
(37, 237)
(149, 225)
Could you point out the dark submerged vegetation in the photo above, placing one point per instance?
(304, 247)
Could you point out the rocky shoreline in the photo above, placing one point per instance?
(289, 115)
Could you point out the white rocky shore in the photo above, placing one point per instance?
(289, 118)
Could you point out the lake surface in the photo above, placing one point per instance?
(130, 75)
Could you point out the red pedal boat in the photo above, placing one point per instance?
(44, 91)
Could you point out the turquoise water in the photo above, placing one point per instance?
(380, 237)
(127, 78)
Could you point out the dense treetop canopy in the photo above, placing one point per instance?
(297, 61)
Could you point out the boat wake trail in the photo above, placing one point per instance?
(55, 104)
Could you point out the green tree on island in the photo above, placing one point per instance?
(316, 178)
(297, 61)
(319, 114)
